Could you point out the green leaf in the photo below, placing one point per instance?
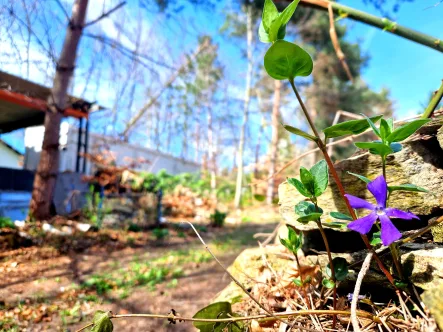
(340, 268)
(214, 311)
(340, 216)
(309, 217)
(307, 212)
(407, 187)
(298, 282)
(270, 14)
(321, 177)
(396, 147)
(401, 284)
(336, 224)
(385, 129)
(299, 186)
(374, 128)
(375, 148)
(361, 177)
(275, 29)
(285, 60)
(403, 132)
(262, 34)
(328, 283)
(260, 198)
(294, 240)
(390, 124)
(376, 239)
(352, 127)
(102, 322)
(308, 180)
(301, 133)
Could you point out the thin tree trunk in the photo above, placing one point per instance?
(211, 156)
(46, 175)
(257, 147)
(274, 142)
(247, 99)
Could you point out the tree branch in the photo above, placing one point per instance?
(102, 16)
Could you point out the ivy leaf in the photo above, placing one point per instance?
(374, 128)
(385, 129)
(321, 177)
(352, 127)
(285, 60)
(403, 132)
(361, 177)
(299, 186)
(299, 132)
(298, 282)
(270, 14)
(340, 268)
(308, 180)
(407, 187)
(214, 311)
(294, 241)
(376, 239)
(340, 216)
(309, 217)
(102, 322)
(307, 212)
(281, 21)
(377, 148)
(328, 283)
(262, 34)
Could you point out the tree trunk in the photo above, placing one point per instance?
(211, 155)
(247, 98)
(274, 142)
(46, 175)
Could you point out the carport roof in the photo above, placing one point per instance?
(23, 103)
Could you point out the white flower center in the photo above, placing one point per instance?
(380, 211)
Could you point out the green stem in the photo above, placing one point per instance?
(392, 247)
(436, 98)
(337, 180)
(378, 22)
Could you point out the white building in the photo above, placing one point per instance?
(10, 157)
(122, 151)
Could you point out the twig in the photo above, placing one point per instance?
(102, 16)
(340, 55)
(63, 10)
(436, 98)
(232, 277)
(361, 275)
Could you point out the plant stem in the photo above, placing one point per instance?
(436, 98)
(392, 247)
(337, 180)
(331, 265)
(378, 22)
(302, 280)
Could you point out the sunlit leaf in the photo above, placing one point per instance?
(352, 127)
(321, 177)
(270, 13)
(403, 132)
(385, 130)
(262, 34)
(102, 322)
(285, 60)
(299, 186)
(407, 187)
(214, 311)
(340, 216)
(308, 180)
(375, 148)
(301, 133)
(275, 29)
(361, 177)
(376, 239)
(372, 124)
(328, 283)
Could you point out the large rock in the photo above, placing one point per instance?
(420, 162)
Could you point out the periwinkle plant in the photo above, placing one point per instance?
(286, 61)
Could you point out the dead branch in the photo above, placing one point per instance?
(106, 14)
(361, 275)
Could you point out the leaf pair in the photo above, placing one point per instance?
(294, 241)
(389, 136)
(307, 212)
(313, 182)
(340, 271)
(273, 24)
(401, 187)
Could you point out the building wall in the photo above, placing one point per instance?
(122, 151)
(9, 158)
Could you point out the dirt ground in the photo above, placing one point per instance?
(39, 288)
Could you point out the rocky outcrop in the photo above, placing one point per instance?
(420, 162)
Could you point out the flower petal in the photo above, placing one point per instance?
(363, 225)
(359, 203)
(389, 233)
(390, 212)
(379, 189)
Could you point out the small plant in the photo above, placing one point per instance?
(6, 223)
(218, 218)
(160, 233)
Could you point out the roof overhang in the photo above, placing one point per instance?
(24, 103)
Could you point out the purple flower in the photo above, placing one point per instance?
(363, 225)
